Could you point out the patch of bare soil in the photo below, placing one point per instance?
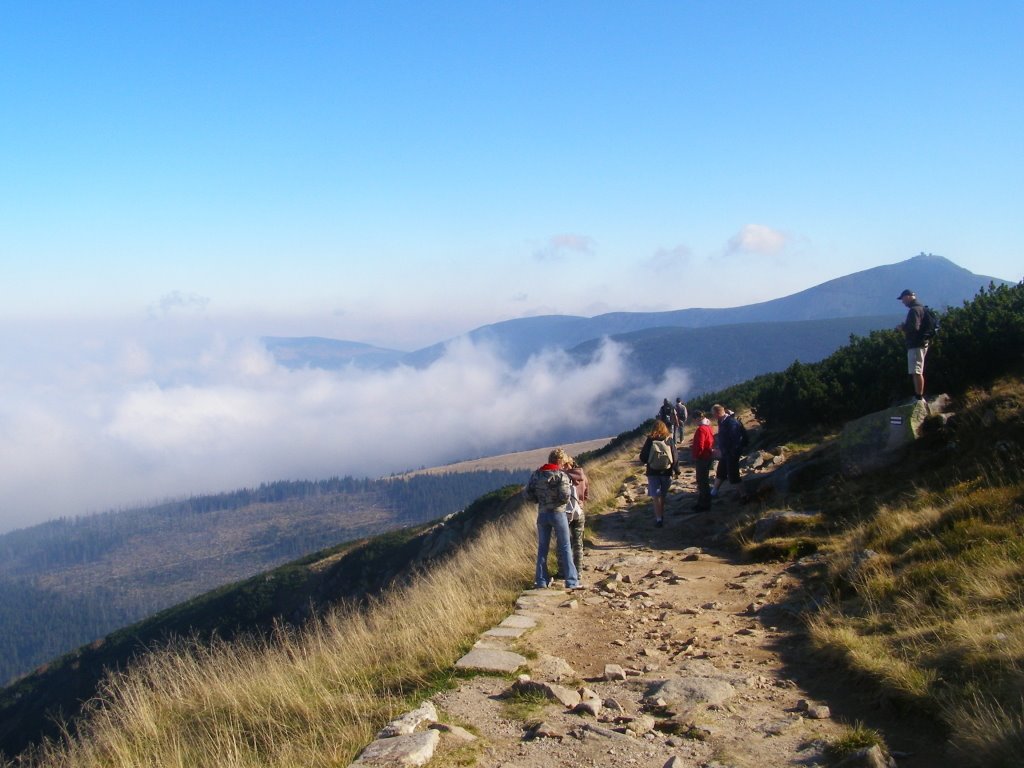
(713, 671)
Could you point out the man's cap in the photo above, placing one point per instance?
(906, 292)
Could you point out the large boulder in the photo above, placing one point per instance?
(878, 439)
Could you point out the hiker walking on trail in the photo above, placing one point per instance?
(578, 497)
(550, 488)
(681, 418)
(731, 436)
(703, 455)
(667, 414)
(659, 456)
(917, 331)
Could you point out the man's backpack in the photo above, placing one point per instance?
(660, 457)
(929, 324)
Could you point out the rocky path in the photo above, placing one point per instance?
(673, 654)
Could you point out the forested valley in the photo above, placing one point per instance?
(69, 581)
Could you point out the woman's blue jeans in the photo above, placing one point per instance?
(557, 521)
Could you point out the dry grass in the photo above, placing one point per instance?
(935, 615)
(313, 697)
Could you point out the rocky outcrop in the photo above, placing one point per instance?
(879, 439)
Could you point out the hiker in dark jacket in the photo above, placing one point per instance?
(730, 443)
(659, 468)
(916, 342)
(667, 413)
(548, 488)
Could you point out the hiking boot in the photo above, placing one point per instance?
(659, 523)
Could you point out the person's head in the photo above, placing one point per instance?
(679, 399)
(718, 411)
(908, 297)
(660, 431)
(559, 457)
(698, 416)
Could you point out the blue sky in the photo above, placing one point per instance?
(389, 171)
(179, 179)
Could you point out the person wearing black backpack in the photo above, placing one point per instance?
(918, 329)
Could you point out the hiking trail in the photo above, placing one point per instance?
(673, 654)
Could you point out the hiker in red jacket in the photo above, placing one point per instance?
(702, 452)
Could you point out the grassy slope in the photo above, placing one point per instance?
(288, 595)
(315, 696)
(923, 565)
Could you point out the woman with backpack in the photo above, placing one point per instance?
(659, 456)
(550, 488)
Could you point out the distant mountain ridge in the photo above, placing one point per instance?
(870, 293)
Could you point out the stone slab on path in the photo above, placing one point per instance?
(505, 632)
(491, 660)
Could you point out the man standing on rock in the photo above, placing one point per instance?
(549, 489)
(916, 334)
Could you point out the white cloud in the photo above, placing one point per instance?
(758, 239)
(561, 247)
(180, 301)
(669, 259)
(146, 418)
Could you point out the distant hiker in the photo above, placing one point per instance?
(730, 445)
(577, 500)
(659, 455)
(703, 455)
(917, 331)
(549, 487)
(667, 415)
(681, 418)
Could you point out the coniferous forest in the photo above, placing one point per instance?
(70, 581)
